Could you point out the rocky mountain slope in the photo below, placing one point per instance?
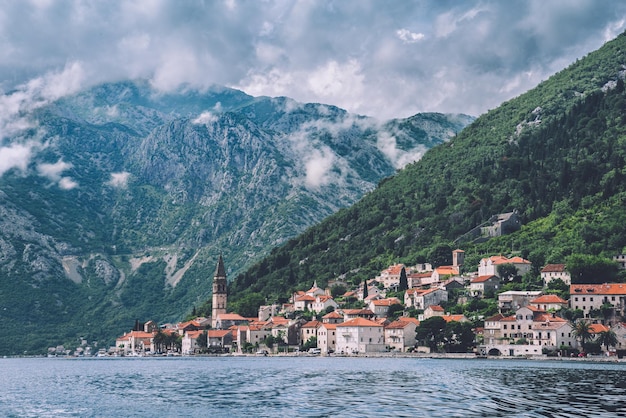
(128, 196)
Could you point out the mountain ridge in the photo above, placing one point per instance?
(129, 196)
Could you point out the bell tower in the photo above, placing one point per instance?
(219, 292)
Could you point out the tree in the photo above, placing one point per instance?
(582, 330)
(459, 337)
(337, 290)
(203, 340)
(431, 332)
(365, 293)
(441, 255)
(404, 283)
(507, 272)
(591, 269)
(607, 339)
(395, 311)
(310, 343)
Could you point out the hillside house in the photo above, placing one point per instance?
(433, 310)
(360, 335)
(225, 321)
(322, 303)
(422, 298)
(308, 331)
(333, 317)
(327, 337)
(549, 303)
(480, 285)
(390, 277)
(588, 297)
(419, 279)
(555, 271)
(502, 224)
(349, 314)
(135, 342)
(512, 300)
(489, 266)
(189, 344)
(400, 335)
(381, 307)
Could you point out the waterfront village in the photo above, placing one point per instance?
(318, 322)
(407, 309)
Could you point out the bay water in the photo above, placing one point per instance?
(309, 387)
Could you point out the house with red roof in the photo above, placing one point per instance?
(433, 310)
(390, 277)
(333, 317)
(549, 302)
(327, 337)
(512, 300)
(360, 335)
(380, 307)
(483, 284)
(555, 271)
(422, 298)
(322, 303)
(489, 266)
(134, 342)
(349, 314)
(400, 335)
(588, 297)
(308, 331)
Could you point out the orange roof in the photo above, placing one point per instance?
(546, 317)
(399, 324)
(231, 317)
(553, 268)
(410, 319)
(359, 322)
(496, 317)
(436, 308)
(329, 326)
(332, 315)
(324, 298)
(518, 260)
(446, 270)
(305, 298)
(393, 270)
(598, 289)
(312, 324)
(481, 279)
(349, 293)
(218, 333)
(358, 312)
(193, 334)
(415, 290)
(278, 320)
(455, 318)
(549, 299)
(386, 302)
(597, 328)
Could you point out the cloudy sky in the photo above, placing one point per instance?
(379, 58)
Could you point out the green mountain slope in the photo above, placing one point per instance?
(556, 154)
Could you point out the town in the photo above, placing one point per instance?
(403, 310)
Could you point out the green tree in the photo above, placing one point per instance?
(404, 283)
(395, 311)
(337, 290)
(310, 343)
(459, 337)
(507, 272)
(431, 332)
(607, 339)
(441, 255)
(365, 291)
(248, 304)
(582, 330)
(203, 340)
(585, 268)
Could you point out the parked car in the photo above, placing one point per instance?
(315, 351)
(262, 352)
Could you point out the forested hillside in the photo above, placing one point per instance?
(556, 154)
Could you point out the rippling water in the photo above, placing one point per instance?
(310, 387)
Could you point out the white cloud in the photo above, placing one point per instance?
(53, 171)
(205, 118)
(119, 180)
(318, 167)
(387, 144)
(15, 156)
(66, 183)
(409, 37)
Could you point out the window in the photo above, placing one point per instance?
(590, 299)
(504, 326)
(519, 327)
(576, 299)
(583, 299)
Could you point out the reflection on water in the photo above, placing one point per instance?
(310, 387)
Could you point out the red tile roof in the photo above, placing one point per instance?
(481, 279)
(598, 289)
(548, 299)
(553, 268)
(359, 322)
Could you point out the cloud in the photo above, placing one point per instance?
(383, 60)
(387, 144)
(318, 167)
(119, 180)
(66, 183)
(205, 118)
(15, 156)
(54, 173)
(409, 37)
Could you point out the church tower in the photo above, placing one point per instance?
(219, 292)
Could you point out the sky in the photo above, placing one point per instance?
(379, 58)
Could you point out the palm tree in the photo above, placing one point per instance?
(582, 330)
(607, 339)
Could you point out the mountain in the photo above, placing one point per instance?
(129, 196)
(556, 154)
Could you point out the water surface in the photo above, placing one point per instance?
(310, 387)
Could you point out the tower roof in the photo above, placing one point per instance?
(220, 271)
